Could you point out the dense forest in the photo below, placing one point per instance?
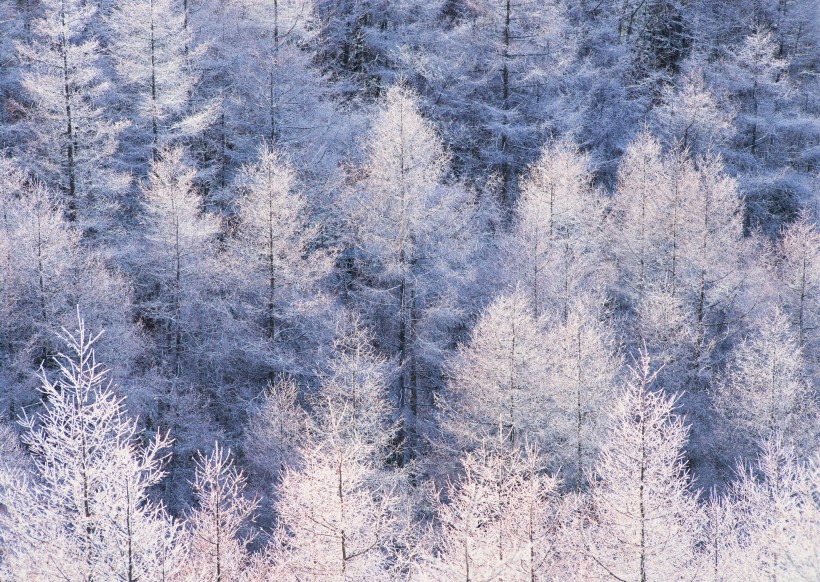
(409, 290)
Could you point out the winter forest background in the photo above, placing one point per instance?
(418, 290)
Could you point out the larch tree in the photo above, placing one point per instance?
(217, 546)
(276, 256)
(779, 515)
(799, 273)
(553, 249)
(178, 238)
(643, 521)
(70, 143)
(412, 235)
(583, 367)
(498, 522)
(499, 381)
(339, 518)
(153, 54)
(86, 514)
(767, 390)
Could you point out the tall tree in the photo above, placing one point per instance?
(413, 235)
(178, 238)
(70, 144)
(643, 520)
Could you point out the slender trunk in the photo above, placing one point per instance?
(71, 206)
(642, 506)
(154, 107)
(505, 96)
(342, 533)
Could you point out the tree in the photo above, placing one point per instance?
(412, 237)
(643, 521)
(275, 431)
(799, 271)
(498, 523)
(46, 274)
(87, 513)
(276, 254)
(217, 553)
(178, 236)
(499, 380)
(780, 516)
(766, 389)
(553, 251)
(356, 385)
(339, 517)
(583, 366)
(153, 54)
(71, 144)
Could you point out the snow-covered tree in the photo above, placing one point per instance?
(412, 236)
(217, 549)
(766, 389)
(275, 431)
(69, 143)
(357, 386)
(799, 272)
(553, 250)
(277, 262)
(340, 519)
(499, 381)
(498, 522)
(583, 365)
(780, 516)
(643, 520)
(153, 54)
(86, 514)
(177, 247)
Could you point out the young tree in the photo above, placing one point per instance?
(357, 385)
(780, 516)
(583, 365)
(70, 143)
(339, 517)
(553, 251)
(275, 431)
(643, 521)
(499, 382)
(413, 236)
(275, 252)
(217, 553)
(178, 238)
(498, 522)
(766, 389)
(799, 271)
(87, 514)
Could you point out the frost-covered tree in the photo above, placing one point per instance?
(275, 430)
(217, 550)
(86, 514)
(275, 254)
(47, 273)
(553, 249)
(766, 389)
(340, 519)
(499, 381)
(643, 521)
(154, 57)
(583, 365)
(498, 522)
(69, 142)
(178, 239)
(780, 516)
(357, 386)
(412, 236)
(799, 273)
